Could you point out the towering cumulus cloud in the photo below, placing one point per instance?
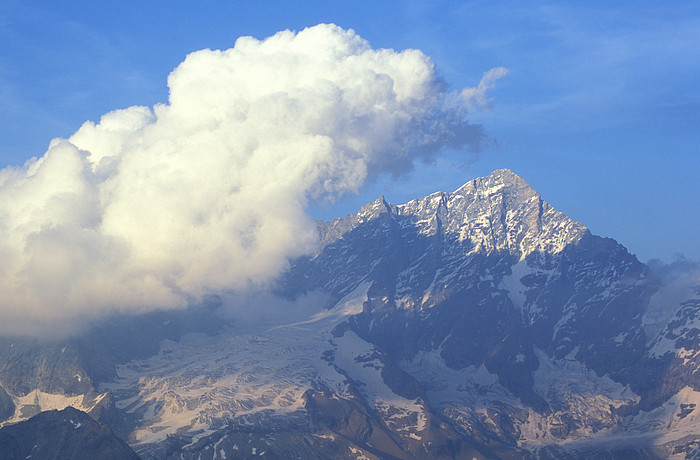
(156, 208)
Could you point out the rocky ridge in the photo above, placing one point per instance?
(67, 434)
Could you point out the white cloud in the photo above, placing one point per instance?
(477, 96)
(156, 208)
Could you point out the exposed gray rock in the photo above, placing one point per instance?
(7, 406)
(68, 434)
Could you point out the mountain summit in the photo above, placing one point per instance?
(500, 212)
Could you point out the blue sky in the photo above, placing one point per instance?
(600, 112)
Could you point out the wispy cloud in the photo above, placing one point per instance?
(477, 96)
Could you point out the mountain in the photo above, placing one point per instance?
(67, 434)
(481, 323)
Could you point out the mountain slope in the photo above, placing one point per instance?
(489, 262)
(481, 323)
(493, 283)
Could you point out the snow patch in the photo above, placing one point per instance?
(566, 375)
(37, 401)
(663, 306)
(450, 387)
(203, 382)
(358, 453)
(572, 388)
(515, 288)
(360, 360)
(675, 419)
(349, 305)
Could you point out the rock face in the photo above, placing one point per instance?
(491, 288)
(67, 434)
(487, 274)
(481, 323)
